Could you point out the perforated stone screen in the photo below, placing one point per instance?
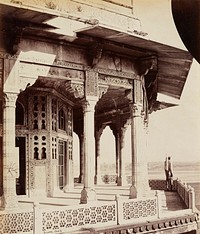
(134, 209)
(78, 216)
(20, 222)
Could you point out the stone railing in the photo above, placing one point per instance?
(186, 192)
(68, 218)
(60, 218)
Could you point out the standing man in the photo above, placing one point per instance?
(168, 172)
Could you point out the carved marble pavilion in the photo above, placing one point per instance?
(75, 66)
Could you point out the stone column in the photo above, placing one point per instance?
(139, 185)
(88, 193)
(98, 179)
(122, 177)
(81, 142)
(117, 147)
(10, 153)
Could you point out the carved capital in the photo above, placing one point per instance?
(135, 110)
(10, 99)
(89, 105)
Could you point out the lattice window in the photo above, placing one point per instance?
(54, 147)
(70, 145)
(54, 115)
(62, 146)
(69, 121)
(62, 123)
(39, 112)
(39, 147)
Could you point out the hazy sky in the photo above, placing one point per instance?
(175, 130)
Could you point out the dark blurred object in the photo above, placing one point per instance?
(186, 14)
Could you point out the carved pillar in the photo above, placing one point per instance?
(88, 193)
(81, 140)
(139, 185)
(10, 153)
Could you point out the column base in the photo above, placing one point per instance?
(132, 192)
(68, 188)
(88, 195)
(80, 179)
(9, 203)
(140, 191)
(98, 179)
(121, 181)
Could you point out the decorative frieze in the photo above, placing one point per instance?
(110, 72)
(115, 81)
(69, 65)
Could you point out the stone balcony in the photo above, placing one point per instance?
(113, 212)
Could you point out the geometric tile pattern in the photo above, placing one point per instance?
(77, 216)
(21, 222)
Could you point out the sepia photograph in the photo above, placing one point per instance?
(99, 116)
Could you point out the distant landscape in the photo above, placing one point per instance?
(186, 171)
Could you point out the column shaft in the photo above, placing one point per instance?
(88, 193)
(10, 153)
(98, 179)
(122, 176)
(81, 140)
(139, 165)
